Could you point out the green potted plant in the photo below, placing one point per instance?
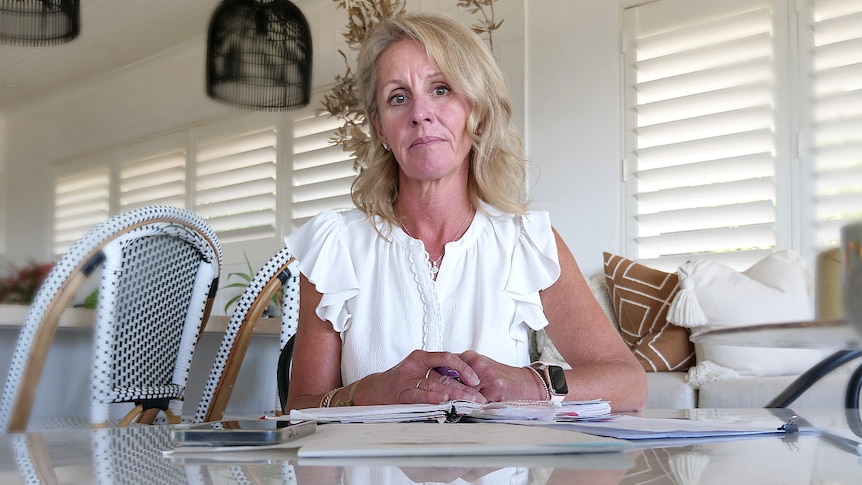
(273, 309)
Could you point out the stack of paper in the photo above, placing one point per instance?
(584, 410)
(455, 410)
(383, 413)
(536, 410)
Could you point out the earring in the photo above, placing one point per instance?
(386, 146)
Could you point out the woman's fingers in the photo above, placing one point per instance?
(438, 389)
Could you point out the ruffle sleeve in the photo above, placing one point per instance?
(325, 260)
(535, 267)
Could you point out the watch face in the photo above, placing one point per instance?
(558, 379)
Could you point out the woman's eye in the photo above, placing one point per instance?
(441, 90)
(398, 99)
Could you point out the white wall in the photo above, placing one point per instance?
(573, 121)
(3, 183)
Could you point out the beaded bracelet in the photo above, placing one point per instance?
(542, 380)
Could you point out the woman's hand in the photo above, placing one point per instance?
(415, 380)
(500, 382)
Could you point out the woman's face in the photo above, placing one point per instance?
(421, 118)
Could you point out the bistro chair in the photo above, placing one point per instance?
(280, 273)
(159, 269)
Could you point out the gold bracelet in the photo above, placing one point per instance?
(327, 398)
(349, 401)
(542, 380)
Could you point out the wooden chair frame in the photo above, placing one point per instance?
(280, 273)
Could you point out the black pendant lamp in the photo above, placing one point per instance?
(259, 55)
(39, 22)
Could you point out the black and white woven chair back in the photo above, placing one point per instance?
(159, 272)
(280, 273)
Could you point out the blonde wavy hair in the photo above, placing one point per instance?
(498, 167)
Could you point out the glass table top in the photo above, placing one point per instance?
(136, 455)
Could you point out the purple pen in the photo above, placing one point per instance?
(445, 371)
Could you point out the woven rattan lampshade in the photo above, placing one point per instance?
(259, 55)
(39, 22)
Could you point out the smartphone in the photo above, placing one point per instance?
(241, 432)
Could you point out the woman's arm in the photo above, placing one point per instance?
(602, 365)
(316, 363)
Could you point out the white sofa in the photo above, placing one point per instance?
(670, 390)
(675, 389)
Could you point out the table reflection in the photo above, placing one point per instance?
(395, 475)
(600, 469)
(136, 455)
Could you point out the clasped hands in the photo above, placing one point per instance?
(424, 377)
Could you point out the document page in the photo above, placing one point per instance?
(635, 428)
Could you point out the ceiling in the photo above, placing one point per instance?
(114, 34)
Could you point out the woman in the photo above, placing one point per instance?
(441, 266)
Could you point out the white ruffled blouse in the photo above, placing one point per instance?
(379, 295)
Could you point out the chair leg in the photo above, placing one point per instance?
(148, 416)
(171, 417)
(129, 418)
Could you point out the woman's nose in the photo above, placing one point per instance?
(421, 113)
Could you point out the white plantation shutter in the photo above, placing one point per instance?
(153, 172)
(81, 201)
(235, 184)
(836, 85)
(253, 177)
(700, 142)
(322, 171)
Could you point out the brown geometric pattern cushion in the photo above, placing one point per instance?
(641, 297)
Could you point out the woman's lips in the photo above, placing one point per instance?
(424, 141)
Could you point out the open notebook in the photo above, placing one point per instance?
(455, 411)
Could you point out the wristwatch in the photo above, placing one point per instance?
(555, 379)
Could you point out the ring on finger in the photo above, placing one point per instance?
(419, 382)
(427, 374)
